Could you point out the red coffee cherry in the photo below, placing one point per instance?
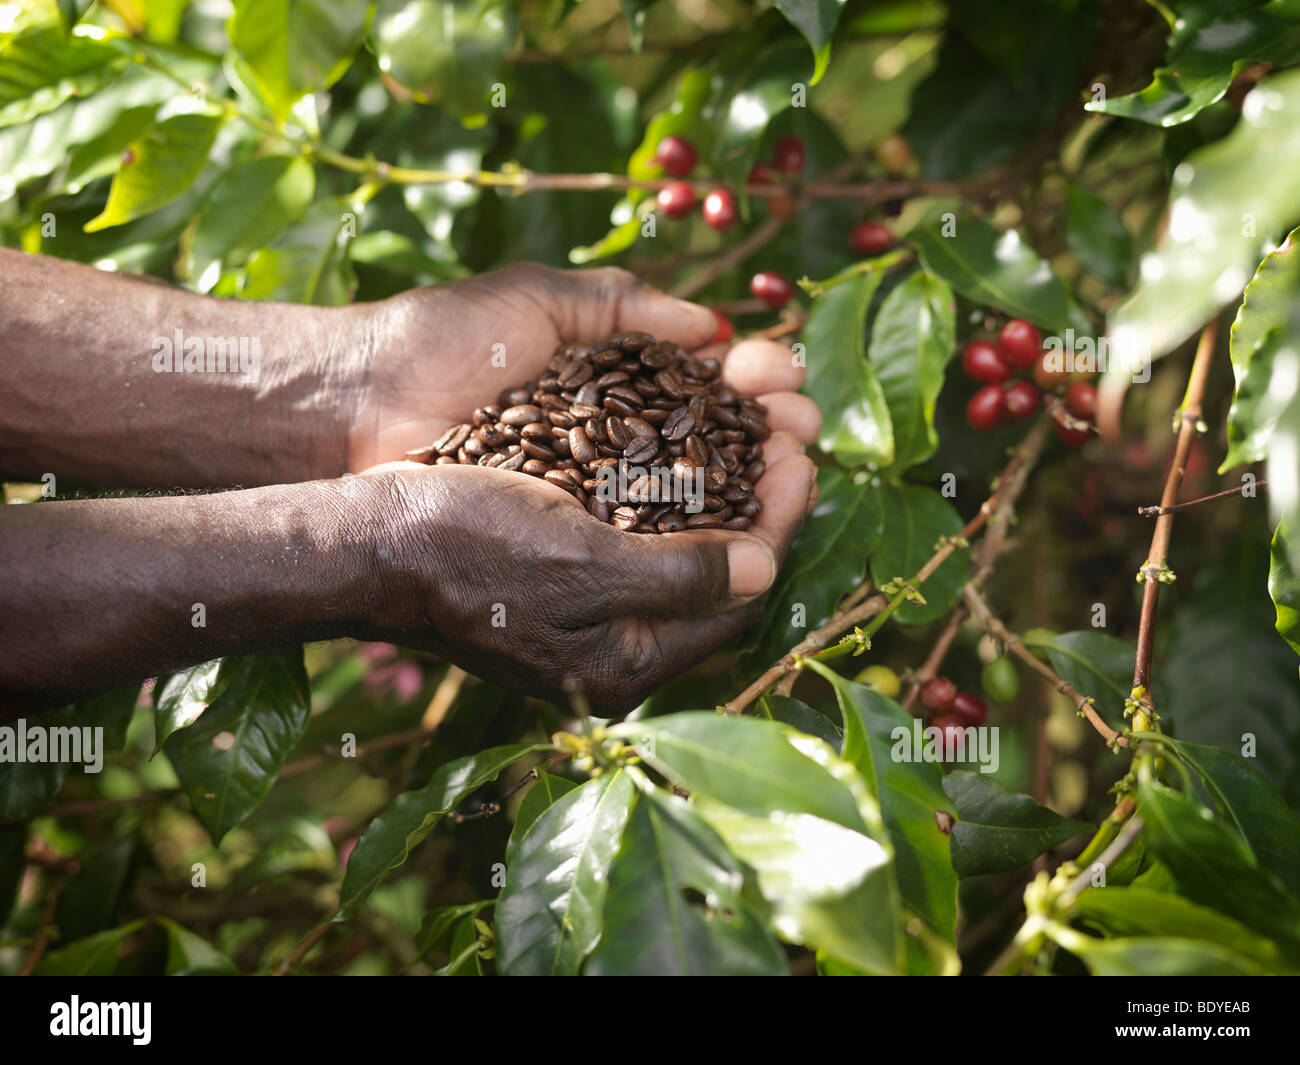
(1020, 399)
(771, 288)
(984, 362)
(1047, 379)
(951, 734)
(725, 329)
(1021, 343)
(677, 199)
(987, 408)
(1081, 400)
(1069, 436)
(870, 238)
(789, 154)
(759, 174)
(937, 694)
(720, 209)
(676, 155)
(969, 709)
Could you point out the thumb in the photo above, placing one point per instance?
(647, 310)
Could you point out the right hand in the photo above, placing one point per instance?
(511, 579)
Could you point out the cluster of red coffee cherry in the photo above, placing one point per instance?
(1001, 400)
(950, 709)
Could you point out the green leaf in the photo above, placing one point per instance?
(1153, 956)
(112, 711)
(856, 426)
(228, 760)
(1212, 867)
(309, 264)
(802, 717)
(89, 902)
(464, 951)
(676, 904)
(1229, 681)
(1096, 233)
(829, 558)
(1211, 43)
(816, 20)
(539, 798)
(911, 795)
(762, 93)
(27, 788)
(1284, 588)
(1228, 199)
(1266, 309)
(744, 762)
(191, 955)
(916, 518)
(93, 956)
(1247, 801)
(181, 698)
(1137, 911)
(157, 168)
(997, 830)
(250, 208)
(71, 12)
(548, 918)
(294, 47)
(42, 66)
(912, 339)
(102, 155)
(998, 270)
(438, 923)
(1097, 664)
(634, 11)
(389, 839)
(447, 52)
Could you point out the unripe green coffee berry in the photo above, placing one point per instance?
(882, 678)
(1000, 680)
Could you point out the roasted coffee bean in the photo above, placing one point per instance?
(703, 521)
(598, 509)
(451, 440)
(582, 411)
(680, 424)
(750, 507)
(514, 396)
(671, 522)
(627, 395)
(754, 471)
(631, 342)
(617, 432)
(640, 427)
(736, 493)
(559, 478)
(713, 503)
(576, 374)
(516, 462)
(724, 416)
(607, 358)
(550, 403)
(655, 416)
(696, 451)
(620, 407)
(521, 414)
(537, 467)
(752, 422)
(641, 449)
(580, 445)
(421, 454)
(625, 518)
(539, 451)
(643, 489)
(737, 524)
(446, 460)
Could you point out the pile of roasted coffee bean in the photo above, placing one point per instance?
(643, 434)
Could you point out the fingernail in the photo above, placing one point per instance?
(752, 567)
(812, 498)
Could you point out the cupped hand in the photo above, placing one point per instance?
(510, 578)
(437, 353)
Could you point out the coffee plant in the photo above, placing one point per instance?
(1034, 259)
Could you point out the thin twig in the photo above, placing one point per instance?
(930, 667)
(1155, 512)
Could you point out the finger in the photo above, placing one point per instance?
(779, 445)
(756, 366)
(687, 574)
(795, 414)
(784, 490)
(396, 466)
(596, 302)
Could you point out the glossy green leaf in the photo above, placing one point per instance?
(181, 698)
(309, 264)
(102, 155)
(1248, 802)
(916, 518)
(816, 20)
(537, 799)
(42, 66)
(548, 918)
(90, 900)
(634, 12)
(676, 905)
(801, 716)
(1213, 868)
(856, 426)
(763, 93)
(999, 270)
(112, 711)
(829, 558)
(71, 12)
(389, 839)
(1154, 956)
(438, 924)
(1284, 588)
(250, 208)
(1227, 201)
(28, 787)
(293, 47)
(1229, 680)
(191, 955)
(464, 951)
(1099, 666)
(444, 51)
(158, 168)
(744, 762)
(913, 338)
(228, 760)
(1212, 41)
(912, 800)
(1267, 307)
(998, 830)
(1096, 233)
(93, 956)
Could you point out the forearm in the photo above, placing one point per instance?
(95, 593)
(84, 393)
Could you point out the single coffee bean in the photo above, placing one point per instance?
(420, 454)
(598, 509)
(672, 522)
(516, 462)
(558, 478)
(680, 424)
(451, 440)
(640, 449)
(617, 432)
(704, 521)
(641, 427)
(750, 507)
(580, 445)
(737, 524)
(536, 467)
(576, 374)
(538, 451)
(521, 414)
(625, 518)
(621, 407)
(631, 343)
(607, 358)
(755, 470)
